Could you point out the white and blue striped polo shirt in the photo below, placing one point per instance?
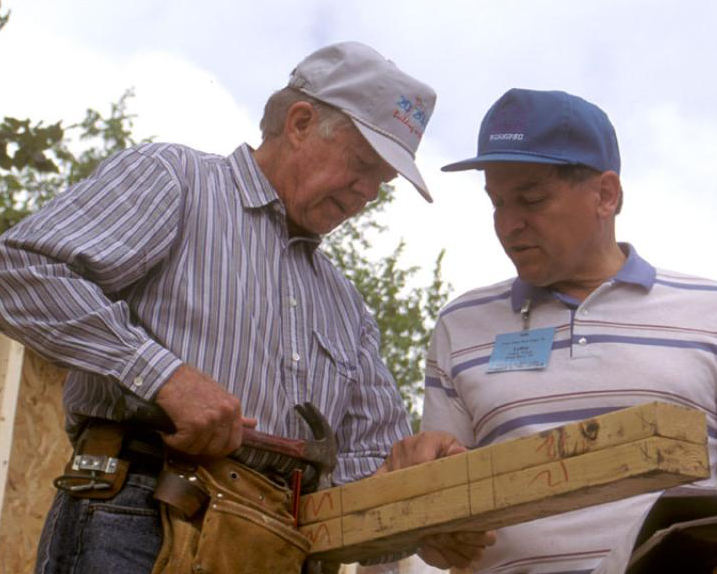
(645, 335)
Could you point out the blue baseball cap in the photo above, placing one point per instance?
(544, 127)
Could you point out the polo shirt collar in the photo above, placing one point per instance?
(635, 271)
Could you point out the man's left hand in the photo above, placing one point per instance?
(450, 549)
(423, 447)
(455, 549)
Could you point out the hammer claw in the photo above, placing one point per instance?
(320, 451)
(317, 423)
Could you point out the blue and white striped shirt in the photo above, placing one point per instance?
(168, 255)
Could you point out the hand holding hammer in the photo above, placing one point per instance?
(198, 432)
(205, 419)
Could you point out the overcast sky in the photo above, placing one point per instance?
(201, 72)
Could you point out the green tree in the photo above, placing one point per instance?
(38, 161)
(405, 313)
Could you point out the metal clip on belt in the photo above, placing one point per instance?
(87, 478)
(95, 469)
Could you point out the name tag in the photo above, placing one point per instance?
(522, 350)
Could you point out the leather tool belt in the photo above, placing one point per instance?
(218, 516)
(222, 517)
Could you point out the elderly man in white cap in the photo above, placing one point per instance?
(196, 282)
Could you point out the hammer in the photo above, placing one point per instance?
(319, 452)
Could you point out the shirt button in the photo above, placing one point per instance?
(585, 311)
(137, 382)
(293, 302)
(295, 357)
(583, 341)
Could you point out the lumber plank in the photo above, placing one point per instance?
(326, 535)
(573, 439)
(642, 466)
(593, 434)
(625, 453)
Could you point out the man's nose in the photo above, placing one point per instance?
(508, 221)
(367, 188)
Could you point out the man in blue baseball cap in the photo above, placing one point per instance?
(608, 330)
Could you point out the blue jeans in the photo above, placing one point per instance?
(121, 535)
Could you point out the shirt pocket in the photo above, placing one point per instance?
(334, 357)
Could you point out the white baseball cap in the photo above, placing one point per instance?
(390, 108)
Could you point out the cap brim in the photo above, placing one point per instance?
(479, 162)
(396, 156)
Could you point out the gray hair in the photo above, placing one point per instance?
(272, 123)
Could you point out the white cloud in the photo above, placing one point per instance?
(202, 71)
(174, 99)
(178, 102)
(671, 188)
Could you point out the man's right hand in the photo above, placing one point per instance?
(207, 418)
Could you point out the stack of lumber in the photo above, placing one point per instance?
(613, 456)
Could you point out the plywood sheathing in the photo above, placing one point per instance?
(40, 449)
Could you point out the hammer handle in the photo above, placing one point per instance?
(151, 415)
(294, 448)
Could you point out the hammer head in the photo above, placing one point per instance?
(321, 451)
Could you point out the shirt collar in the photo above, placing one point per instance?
(256, 192)
(254, 189)
(635, 271)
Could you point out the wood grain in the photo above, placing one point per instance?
(620, 454)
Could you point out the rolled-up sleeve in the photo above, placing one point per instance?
(63, 270)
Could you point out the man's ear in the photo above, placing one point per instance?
(610, 194)
(300, 120)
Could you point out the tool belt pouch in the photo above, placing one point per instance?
(94, 470)
(244, 525)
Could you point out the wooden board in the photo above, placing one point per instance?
(39, 452)
(627, 452)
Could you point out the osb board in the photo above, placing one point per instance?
(39, 451)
